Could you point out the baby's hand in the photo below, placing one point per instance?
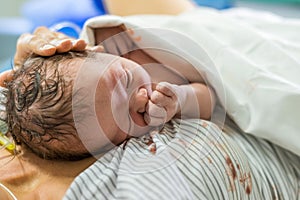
(163, 104)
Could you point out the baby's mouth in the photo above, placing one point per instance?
(142, 93)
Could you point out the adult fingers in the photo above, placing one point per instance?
(28, 44)
(5, 77)
(62, 42)
(43, 37)
(45, 43)
(44, 33)
(62, 45)
(78, 45)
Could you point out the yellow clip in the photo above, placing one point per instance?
(4, 141)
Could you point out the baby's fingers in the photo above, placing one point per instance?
(155, 115)
(155, 110)
(160, 99)
(153, 121)
(167, 89)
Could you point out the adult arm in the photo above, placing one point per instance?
(133, 7)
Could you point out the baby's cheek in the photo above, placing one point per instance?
(138, 118)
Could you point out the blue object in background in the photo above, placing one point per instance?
(57, 13)
(100, 5)
(68, 28)
(51, 12)
(67, 16)
(218, 4)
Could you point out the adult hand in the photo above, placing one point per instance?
(45, 43)
(5, 77)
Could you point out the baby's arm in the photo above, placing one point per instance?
(195, 100)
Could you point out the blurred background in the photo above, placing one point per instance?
(68, 16)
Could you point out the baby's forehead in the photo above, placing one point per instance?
(99, 59)
(93, 66)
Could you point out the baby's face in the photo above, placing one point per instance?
(113, 96)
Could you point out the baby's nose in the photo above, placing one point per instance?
(141, 100)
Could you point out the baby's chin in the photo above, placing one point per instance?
(138, 131)
(134, 131)
(119, 138)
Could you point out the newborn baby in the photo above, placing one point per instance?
(71, 105)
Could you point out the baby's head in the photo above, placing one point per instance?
(43, 99)
(39, 107)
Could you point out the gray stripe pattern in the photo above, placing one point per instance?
(191, 159)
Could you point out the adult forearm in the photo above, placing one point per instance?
(132, 7)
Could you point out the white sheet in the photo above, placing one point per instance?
(257, 56)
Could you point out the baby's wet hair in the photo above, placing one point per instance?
(39, 107)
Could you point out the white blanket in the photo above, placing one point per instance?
(256, 54)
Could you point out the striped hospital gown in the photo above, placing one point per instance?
(191, 159)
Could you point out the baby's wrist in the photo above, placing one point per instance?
(182, 95)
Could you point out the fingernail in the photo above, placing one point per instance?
(79, 41)
(47, 47)
(59, 42)
(143, 92)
